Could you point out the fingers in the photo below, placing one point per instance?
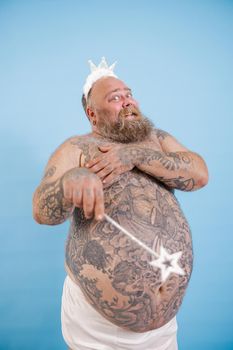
(92, 162)
(93, 203)
(111, 177)
(93, 200)
(102, 168)
(105, 148)
(88, 195)
(73, 195)
(99, 204)
(77, 198)
(105, 172)
(96, 165)
(67, 193)
(88, 202)
(114, 174)
(96, 160)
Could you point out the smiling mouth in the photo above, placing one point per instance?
(130, 115)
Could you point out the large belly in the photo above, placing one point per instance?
(114, 272)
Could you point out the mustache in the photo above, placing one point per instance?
(122, 116)
(129, 110)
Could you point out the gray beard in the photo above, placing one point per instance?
(125, 131)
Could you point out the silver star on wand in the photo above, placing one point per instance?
(166, 262)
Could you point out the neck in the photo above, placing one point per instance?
(96, 134)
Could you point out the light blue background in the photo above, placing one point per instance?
(177, 57)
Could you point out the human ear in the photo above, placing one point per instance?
(91, 115)
(90, 112)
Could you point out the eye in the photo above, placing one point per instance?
(129, 95)
(115, 98)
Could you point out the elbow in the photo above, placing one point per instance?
(43, 220)
(202, 175)
(36, 215)
(37, 218)
(35, 209)
(203, 179)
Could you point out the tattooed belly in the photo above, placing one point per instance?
(114, 272)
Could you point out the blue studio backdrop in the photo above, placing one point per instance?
(177, 58)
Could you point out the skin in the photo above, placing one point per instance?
(134, 184)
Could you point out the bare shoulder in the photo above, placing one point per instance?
(66, 156)
(66, 149)
(160, 134)
(168, 142)
(88, 145)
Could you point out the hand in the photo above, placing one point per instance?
(84, 190)
(114, 160)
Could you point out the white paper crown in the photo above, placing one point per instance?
(97, 72)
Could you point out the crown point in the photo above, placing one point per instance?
(92, 66)
(113, 66)
(103, 63)
(97, 72)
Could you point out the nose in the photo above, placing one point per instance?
(126, 102)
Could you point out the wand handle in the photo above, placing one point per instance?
(127, 233)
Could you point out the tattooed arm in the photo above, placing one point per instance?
(65, 186)
(175, 165)
(171, 163)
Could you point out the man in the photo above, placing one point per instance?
(114, 296)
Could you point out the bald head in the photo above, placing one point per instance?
(101, 91)
(103, 88)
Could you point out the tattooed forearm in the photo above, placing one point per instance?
(51, 206)
(171, 161)
(179, 182)
(175, 169)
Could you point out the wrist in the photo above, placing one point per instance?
(129, 154)
(135, 154)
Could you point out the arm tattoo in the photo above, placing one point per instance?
(179, 182)
(161, 134)
(86, 148)
(171, 161)
(52, 207)
(50, 172)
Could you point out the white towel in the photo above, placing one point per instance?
(83, 328)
